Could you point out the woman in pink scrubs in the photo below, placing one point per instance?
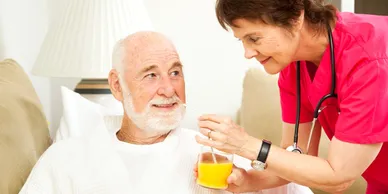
(281, 34)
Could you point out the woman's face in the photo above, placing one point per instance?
(274, 47)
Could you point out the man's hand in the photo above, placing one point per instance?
(237, 180)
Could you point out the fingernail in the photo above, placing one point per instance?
(231, 178)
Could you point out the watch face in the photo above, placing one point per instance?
(257, 165)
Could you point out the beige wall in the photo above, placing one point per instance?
(336, 3)
(379, 7)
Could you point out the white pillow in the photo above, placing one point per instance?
(80, 117)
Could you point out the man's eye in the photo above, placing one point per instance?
(175, 73)
(151, 75)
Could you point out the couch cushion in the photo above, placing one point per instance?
(24, 133)
(260, 108)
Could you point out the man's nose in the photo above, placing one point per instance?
(250, 53)
(166, 88)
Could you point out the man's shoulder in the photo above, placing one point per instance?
(61, 150)
(73, 148)
(57, 159)
(69, 155)
(65, 145)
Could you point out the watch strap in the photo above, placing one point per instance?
(264, 150)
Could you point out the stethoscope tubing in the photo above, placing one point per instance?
(317, 110)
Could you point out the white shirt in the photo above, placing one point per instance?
(101, 164)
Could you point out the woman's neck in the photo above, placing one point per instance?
(312, 46)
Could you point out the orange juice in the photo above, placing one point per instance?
(214, 175)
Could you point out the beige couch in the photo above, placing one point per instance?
(24, 133)
(260, 114)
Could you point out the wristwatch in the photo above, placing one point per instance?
(260, 163)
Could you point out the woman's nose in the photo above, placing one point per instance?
(250, 53)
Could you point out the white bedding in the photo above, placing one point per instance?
(83, 119)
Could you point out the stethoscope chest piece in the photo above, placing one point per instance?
(294, 148)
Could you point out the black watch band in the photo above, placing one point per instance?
(264, 150)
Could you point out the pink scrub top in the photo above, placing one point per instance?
(361, 57)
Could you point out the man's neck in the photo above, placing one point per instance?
(130, 133)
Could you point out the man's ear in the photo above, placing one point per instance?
(114, 85)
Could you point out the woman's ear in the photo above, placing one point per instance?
(298, 23)
(114, 84)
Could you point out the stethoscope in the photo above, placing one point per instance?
(317, 110)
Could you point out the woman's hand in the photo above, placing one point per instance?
(223, 134)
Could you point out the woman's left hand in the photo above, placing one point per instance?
(223, 134)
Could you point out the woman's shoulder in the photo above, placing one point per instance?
(367, 32)
(359, 40)
(362, 24)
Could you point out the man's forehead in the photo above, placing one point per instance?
(163, 58)
(138, 48)
(152, 52)
(147, 40)
(149, 48)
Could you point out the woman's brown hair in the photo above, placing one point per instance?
(276, 12)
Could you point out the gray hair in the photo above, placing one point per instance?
(118, 55)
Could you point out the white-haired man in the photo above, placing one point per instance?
(150, 153)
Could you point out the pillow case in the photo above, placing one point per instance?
(80, 115)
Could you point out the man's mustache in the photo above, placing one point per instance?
(162, 101)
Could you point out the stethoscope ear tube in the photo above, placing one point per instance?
(294, 147)
(297, 102)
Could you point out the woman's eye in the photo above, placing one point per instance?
(253, 39)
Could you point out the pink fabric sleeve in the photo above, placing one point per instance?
(364, 104)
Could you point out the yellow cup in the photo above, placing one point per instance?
(214, 169)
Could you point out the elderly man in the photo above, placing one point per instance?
(150, 153)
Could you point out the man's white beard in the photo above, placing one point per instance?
(150, 119)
